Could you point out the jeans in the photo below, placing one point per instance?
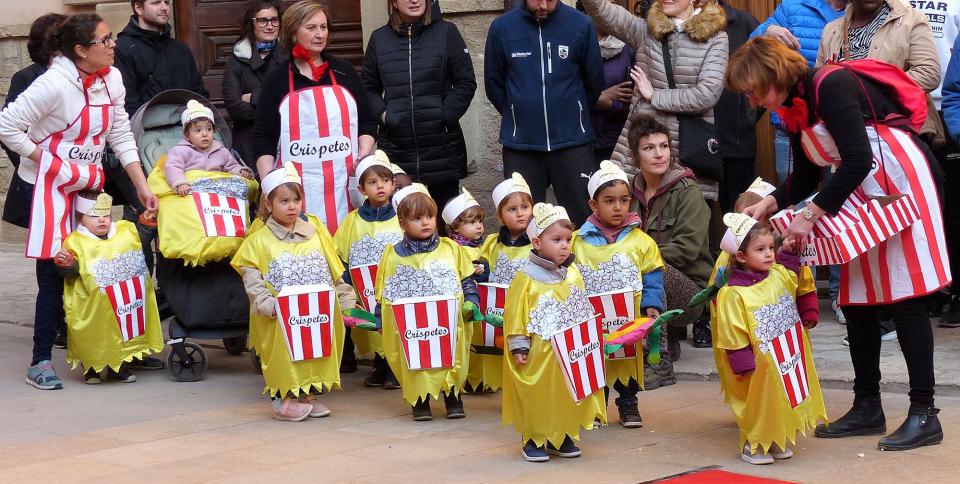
(915, 336)
(781, 145)
(49, 310)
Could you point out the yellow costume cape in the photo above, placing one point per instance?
(361, 243)
(179, 227)
(535, 396)
(92, 326)
(285, 263)
(505, 262)
(769, 408)
(436, 273)
(615, 267)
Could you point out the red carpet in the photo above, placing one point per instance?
(715, 476)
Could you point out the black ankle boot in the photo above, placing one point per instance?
(922, 427)
(865, 418)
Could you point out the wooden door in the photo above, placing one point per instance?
(211, 27)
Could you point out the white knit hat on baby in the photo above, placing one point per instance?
(195, 110)
(514, 184)
(458, 205)
(545, 215)
(738, 225)
(608, 172)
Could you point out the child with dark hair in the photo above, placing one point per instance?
(761, 346)
(614, 254)
(426, 267)
(361, 240)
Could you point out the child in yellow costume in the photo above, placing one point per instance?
(763, 353)
(108, 296)
(425, 265)
(504, 254)
(289, 251)
(614, 254)
(361, 239)
(545, 297)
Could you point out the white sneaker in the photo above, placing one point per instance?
(777, 453)
(756, 459)
(837, 312)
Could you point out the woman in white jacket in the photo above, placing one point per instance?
(59, 126)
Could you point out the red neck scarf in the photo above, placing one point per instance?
(316, 71)
(92, 77)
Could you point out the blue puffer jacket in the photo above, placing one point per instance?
(543, 76)
(805, 19)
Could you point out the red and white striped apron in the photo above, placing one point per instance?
(912, 263)
(318, 133)
(70, 161)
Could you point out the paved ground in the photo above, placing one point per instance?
(219, 429)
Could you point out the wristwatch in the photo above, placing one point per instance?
(808, 214)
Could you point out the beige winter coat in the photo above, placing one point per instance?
(699, 56)
(904, 40)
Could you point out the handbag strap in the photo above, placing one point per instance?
(667, 63)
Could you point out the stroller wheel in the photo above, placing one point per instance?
(187, 362)
(255, 359)
(236, 345)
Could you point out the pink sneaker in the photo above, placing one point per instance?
(317, 409)
(292, 411)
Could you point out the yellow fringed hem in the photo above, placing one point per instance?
(435, 394)
(786, 439)
(302, 390)
(556, 438)
(114, 366)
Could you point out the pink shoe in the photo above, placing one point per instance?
(292, 411)
(317, 409)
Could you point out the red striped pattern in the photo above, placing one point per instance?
(364, 280)
(616, 309)
(306, 315)
(128, 303)
(579, 351)
(221, 216)
(428, 331)
(789, 353)
(493, 299)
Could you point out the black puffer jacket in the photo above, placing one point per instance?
(420, 82)
(153, 62)
(243, 74)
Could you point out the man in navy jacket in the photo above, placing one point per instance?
(543, 72)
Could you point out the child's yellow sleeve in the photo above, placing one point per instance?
(733, 331)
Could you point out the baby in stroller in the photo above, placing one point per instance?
(199, 150)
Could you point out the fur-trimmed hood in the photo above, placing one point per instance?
(699, 27)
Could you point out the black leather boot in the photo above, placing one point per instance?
(922, 427)
(865, 418)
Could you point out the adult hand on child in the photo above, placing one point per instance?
(64, 258)
(183, 189)
(761, 209)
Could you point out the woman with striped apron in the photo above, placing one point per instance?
(74, 110)
(312, 112)
(862, 118)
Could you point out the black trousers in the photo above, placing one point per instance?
(916, 342)
(738, 174)
(567, 170)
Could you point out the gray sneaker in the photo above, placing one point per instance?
(659, 375)
(43, 376)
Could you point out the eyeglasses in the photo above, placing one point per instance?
(106, 41)
(263, 21)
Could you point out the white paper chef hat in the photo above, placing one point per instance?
(761, 187)
(377, 159)
(608, 171)
(195, 110)
(94, 208)
(514, 184)
(738, 225)
(458, 205)
(407, 191)
(287, 174)
(545, 215)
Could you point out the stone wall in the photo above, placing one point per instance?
(13, 57)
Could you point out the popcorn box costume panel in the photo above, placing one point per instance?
(615, 267)
(282, 264)
(361, 244)
(318, 133)
(536, 400)
(913, 262)
(505, 262)
(782, 395)
(111, 308)
(210, 223)
(436, 273)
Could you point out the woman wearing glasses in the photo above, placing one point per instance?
(254, 55)
(59, 126)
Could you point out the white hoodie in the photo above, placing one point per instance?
(52, 102)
